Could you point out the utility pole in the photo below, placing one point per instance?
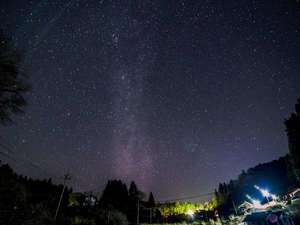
(66, 178)
(108, 216)
(150, 215)
(138, 213)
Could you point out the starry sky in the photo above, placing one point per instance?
(176, 95)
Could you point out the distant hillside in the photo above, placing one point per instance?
(276, 176)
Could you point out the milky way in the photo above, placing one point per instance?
(131, 60)
(177, 95)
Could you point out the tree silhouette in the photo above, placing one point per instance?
(151, 201)
(115, 195)
(25, 200)
(12, 81)
(134, 195)
(133, 191)
(273, 175)
(293, 132)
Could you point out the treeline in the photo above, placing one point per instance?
(27, 201)
(177, 212)
(130, 201)
(279, 176)
(275, 175)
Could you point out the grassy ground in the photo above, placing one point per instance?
(294, 211)
(235, 222)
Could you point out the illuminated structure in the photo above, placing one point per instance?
(254, 205)
(266, 193)
(254, 202)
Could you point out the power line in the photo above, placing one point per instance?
(36, 166)
(188, 197)
(16, 159)
(6, 147)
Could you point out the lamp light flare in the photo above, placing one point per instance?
(266, 193)
(256, 203)
(190, 212)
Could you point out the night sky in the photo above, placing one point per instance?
(176, 95)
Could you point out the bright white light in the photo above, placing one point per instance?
(274, 197)
(265, 193)
(255, 203)
(249, 197)
(190, 213)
